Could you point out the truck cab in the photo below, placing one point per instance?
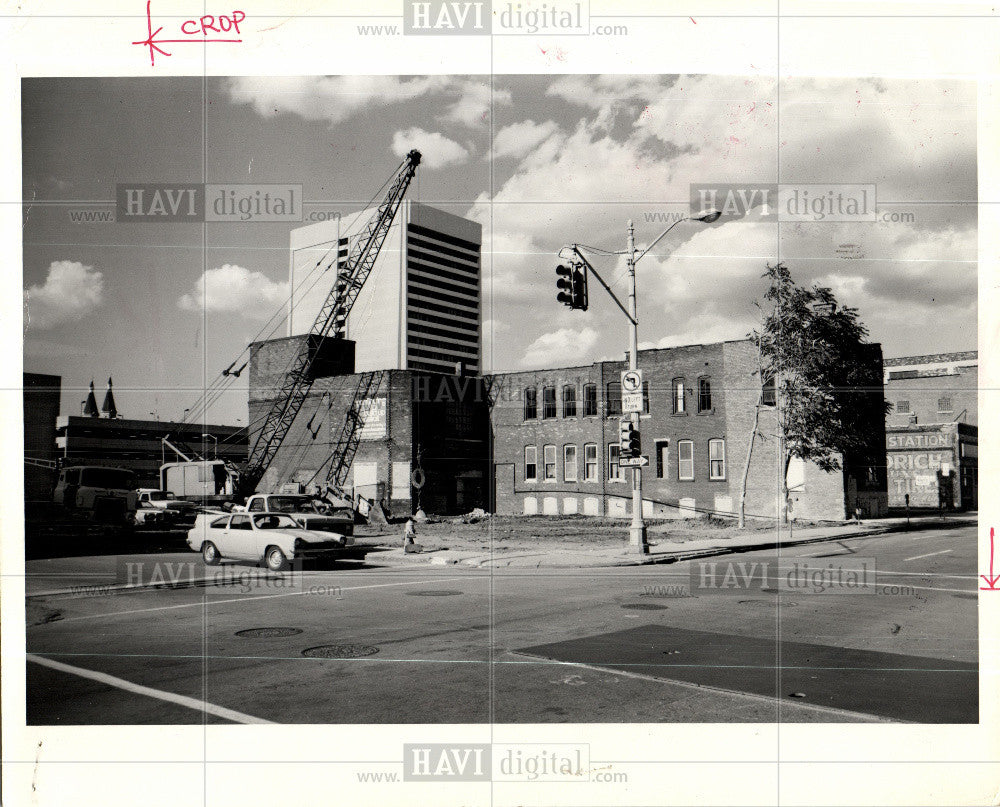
(103, 494)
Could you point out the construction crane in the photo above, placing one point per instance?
(331, 320)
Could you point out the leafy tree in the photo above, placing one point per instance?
(828, 390)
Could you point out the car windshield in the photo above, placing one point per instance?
(274, 521)
(293, 504)
(160, 496)
(108, 478)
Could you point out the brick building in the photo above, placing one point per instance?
(413, 420)
(932, 436)
(556, 441)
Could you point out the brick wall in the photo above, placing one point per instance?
(925, 392)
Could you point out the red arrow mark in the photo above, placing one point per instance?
(992, 579)
(154, 44)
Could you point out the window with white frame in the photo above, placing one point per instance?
(685, 460)
(590, 462)
(550, 463)
(530, 464)
(569, 463)
(717, 459)
(614, 469)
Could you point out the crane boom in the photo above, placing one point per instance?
(332, 319)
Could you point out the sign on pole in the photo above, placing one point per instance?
(631, 381)
(633, 462)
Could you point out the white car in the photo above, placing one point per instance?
(274, 538)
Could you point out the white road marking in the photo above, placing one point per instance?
(928, 555)
(208, 602)
(159, 694)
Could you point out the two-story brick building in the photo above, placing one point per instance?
(555, 441)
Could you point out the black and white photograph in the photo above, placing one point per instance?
(578, 422)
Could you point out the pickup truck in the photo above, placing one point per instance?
(311, 512)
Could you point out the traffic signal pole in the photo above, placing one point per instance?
(637, 529)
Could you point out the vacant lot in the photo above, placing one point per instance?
(517, 533)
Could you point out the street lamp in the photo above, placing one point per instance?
(216, 439)
(637, 529)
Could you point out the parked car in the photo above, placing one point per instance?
(311, 512)
(175, 511)
(274, 538)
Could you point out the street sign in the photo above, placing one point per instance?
(631, 402)
(631, 381)
(634, 462)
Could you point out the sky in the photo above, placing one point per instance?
(539, 161)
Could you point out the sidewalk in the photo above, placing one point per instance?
(660, 551)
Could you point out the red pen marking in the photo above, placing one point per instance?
(207, 23)
(992, 579)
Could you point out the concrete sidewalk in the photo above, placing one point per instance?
(661, 550)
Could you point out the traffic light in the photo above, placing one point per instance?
(565, 285)
(579, 288)
(634, 444)
(625, 432)
(572, 285)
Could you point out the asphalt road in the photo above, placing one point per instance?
(428, 644)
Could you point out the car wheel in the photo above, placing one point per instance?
(210, 554)
(275, 559)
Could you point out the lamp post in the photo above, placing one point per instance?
(637, 538)
(216, 439)
(569, 295)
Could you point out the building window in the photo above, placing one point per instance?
(530, 464)
(685, 460)
(614, 469)
(716, 459)
(704, 395)
(662, 449)
(645, 397)
(548, 402)
(530, 403)
(569, 463)
(677, 395)
(614, 398)
(589, 400)
(569, 401)
(944, 405)
(590, 462)
(550, 463)
(768, 395)
(903, 406)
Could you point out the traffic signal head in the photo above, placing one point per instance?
(634, 444)
(579, 288)
(564, 283)
(625, 430)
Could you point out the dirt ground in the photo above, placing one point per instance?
(517, 533)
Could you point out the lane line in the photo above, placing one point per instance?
(207, 602)
(928, 555)
(158, 694)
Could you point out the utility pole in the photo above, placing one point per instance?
(637, 529)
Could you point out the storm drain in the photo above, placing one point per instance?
(340, 651)
(434, 593)
(965, 596)
(769, 603)
(643, 606)
(267, 633)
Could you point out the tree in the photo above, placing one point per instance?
(828, 390)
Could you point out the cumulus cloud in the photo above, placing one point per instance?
(518, 139)
(70, 292)
(231, 288)
(438, 151)
(474, 103)
(564, 346)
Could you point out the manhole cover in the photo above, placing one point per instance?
(267, 633)
(643, 606)
(434, 593)
(340, 651)
(769, 603)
